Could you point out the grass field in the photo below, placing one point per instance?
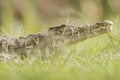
(97, 58)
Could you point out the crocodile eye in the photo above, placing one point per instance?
(104, 25)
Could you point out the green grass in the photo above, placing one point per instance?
(97, 58)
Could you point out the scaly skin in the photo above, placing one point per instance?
(75, 34)
(54, 37)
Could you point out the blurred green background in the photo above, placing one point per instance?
(94, 59)
(22, 17)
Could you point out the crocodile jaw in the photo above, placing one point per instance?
(103, 27)
(75, 34)
(91, 31)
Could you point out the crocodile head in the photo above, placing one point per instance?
(75, 34)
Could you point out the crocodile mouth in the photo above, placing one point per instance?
(105, 27)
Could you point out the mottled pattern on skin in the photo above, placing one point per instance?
(53, 38)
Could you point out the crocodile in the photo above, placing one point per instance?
(54, 37)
